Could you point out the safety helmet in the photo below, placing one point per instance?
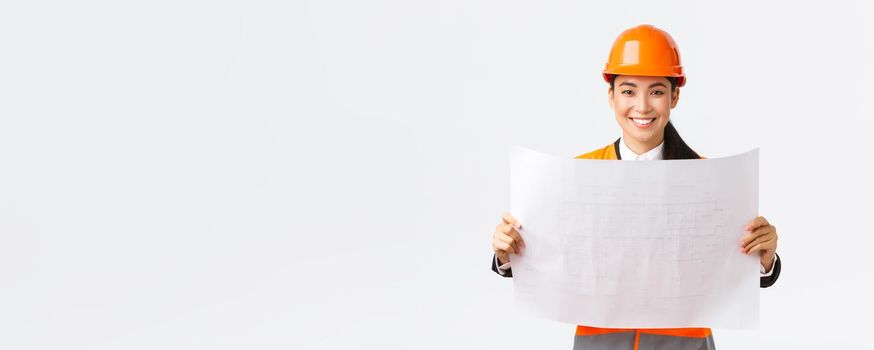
(645, 50)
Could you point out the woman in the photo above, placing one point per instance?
(645, 77)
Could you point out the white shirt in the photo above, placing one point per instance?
(626, 153)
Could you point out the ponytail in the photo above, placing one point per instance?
(675, 147)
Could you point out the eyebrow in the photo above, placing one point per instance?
(635, 85)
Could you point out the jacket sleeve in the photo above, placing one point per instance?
(495, 267)
(765, 282)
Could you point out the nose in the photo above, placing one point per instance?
(641, 105)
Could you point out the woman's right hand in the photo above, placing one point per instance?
(506, 238)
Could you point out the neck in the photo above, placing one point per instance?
(641, 147)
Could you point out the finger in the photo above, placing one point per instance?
(517, 237)
(747, 238)
(500, 236)
(510, 220)
(755, 223)
(763, 245)
(510, 231)
(505, 228)
(761, 231)
(509, 240)
(766, 241)
(757, 247)
(757, 240)
(503, 246)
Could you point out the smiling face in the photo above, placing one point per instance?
(642, 106)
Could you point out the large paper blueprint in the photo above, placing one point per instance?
(635, 244)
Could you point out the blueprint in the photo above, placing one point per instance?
(635, 244)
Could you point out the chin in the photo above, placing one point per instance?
(643, 137)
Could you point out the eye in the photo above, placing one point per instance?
(658, 92)
(627, 92)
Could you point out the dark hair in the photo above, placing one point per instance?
(675, 147)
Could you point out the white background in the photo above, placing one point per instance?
(327, 174)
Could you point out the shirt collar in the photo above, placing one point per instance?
(626, 153)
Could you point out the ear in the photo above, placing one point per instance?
(610, 98)
(675, 97)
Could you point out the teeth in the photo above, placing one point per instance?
(642, 121)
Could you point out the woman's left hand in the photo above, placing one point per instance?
(761, 236)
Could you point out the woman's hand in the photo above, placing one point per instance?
(761, 236)
(506, 238)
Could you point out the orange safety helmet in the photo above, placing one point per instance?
(645, 50)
